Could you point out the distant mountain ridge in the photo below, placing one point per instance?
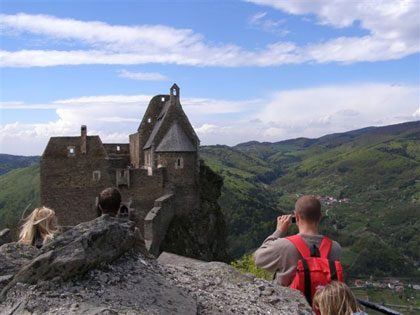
(376, 168)
(10, 162)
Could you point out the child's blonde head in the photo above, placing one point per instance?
(38, 221)
(336, 299)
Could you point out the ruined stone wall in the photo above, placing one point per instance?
(143, 191)
(183, 179)
(117, 148)
(135, 150)
(202, 233)
(157, 222)
(70, 182)
(148, 122)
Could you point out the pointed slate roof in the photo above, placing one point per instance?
(176, 140)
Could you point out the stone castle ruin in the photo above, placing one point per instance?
(165, 187)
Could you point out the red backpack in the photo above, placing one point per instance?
(316, 271)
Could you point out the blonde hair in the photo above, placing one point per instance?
(37, 222)
(335, 299)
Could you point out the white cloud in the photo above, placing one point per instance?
(393, 33)
(313, 112)
(310, 112)
(105, 99)
(260, 21)
(143, 76)
(256, 18)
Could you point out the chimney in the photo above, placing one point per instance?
(83, 136)
(174, 93)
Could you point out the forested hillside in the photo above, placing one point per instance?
(19, 189)
(10, 162)
(368, 180)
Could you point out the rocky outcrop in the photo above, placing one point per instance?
(135, 285)
(221, 289)
(203, 233)
(73, 252)
(94, 269)
(5, 236)
(130, 285)
(12, 257)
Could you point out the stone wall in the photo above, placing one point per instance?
(143, 191)
(135, 150)
(117, 148)
(202, 233)
(148, 122)
(157, 222)
(70, 182)
(182, 180)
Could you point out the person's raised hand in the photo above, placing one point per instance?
(283, 223)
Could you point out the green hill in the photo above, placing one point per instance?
(10, 162)
(374, 172)
(19, 189)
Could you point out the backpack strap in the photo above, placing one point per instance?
(325, 247)
(300, 245)
(308, 287)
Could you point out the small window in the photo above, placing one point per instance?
(122, 173)
(71, 151)
(118, 148)
(149, 120)
(179, 163)
(96, 176)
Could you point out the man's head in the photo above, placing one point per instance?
(308, 210)
(109, 201)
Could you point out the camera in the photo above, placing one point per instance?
(293, 219)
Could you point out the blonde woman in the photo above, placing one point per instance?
(39, 227)
(336, 299)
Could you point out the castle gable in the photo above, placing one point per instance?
(158, 125)
(117, 149)
(63, 147)
(171, 113)
(176, 140)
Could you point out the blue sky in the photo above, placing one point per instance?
(261, 70)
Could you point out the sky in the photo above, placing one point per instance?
(264, 70)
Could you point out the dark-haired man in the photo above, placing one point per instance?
(109, 201)
(278, 254)
(108, 204)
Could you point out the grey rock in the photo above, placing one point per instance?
(235, 293)
(80, 249)
(12, 257)
(5, 236)
(93, 269)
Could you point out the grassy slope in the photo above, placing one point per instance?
(10, 162)
(18, 189)
(377, 168)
